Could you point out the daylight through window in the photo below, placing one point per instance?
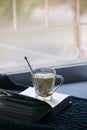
(48, 32)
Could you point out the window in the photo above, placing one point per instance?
(48, 32)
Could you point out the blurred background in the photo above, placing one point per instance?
(48, 32)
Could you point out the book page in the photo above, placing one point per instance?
(56, 97)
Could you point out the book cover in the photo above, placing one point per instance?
(26, 109)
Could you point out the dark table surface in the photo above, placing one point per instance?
(74, 117)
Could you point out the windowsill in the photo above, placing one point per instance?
(75, 79)
(78, 89)
(71, 72)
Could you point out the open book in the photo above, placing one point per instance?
(26, 109)
(59, 101)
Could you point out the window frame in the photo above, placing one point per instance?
(72, 73)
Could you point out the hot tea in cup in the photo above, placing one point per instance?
(43, 80)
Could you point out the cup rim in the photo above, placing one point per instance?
(44, 69)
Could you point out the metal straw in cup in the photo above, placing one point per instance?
(29, 65)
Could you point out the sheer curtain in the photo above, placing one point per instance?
(48, 32)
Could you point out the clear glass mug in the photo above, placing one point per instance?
(43, 80)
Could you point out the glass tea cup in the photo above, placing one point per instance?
(43, 80)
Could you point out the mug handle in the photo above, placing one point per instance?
(61, 81)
